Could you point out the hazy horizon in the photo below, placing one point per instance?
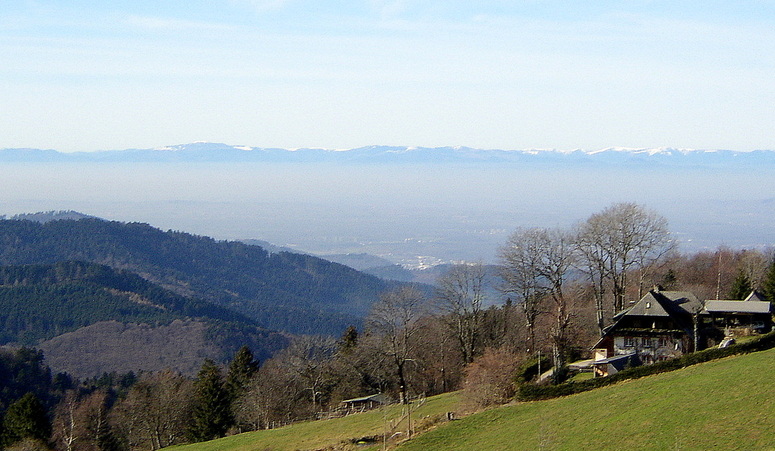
(85, 76)
(401, 212)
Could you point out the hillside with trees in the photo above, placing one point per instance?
(282, 291)
(564, 289)
(127, 322)
(39, 302)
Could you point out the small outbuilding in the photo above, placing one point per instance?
(751, 315)
(365, 403)
(612, 365)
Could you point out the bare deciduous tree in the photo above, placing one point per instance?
(489, 380)
(156, 411)
(520, 258)
(81, 422)
(395, 318)
(460, 294)
(754, 265)
(614, 242)
(66, 428)
(441, 357)
(309, 357)
(536, 265)
(274, 397)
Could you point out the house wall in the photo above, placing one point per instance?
(651, 348)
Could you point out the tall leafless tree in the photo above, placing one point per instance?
(80, 421)
(395, 318)
(275, 396)
(537, 263)
(520, 259)
(156, 411)
(66, 431)
(616, 241)
(460, 295)
(309, 357)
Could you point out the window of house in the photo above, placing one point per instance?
(629, 342)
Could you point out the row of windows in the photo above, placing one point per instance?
(645, 342)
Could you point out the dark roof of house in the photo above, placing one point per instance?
(686, 301)
(677, 305)
(658, 303)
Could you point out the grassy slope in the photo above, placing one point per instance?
(327, 433)
(724, 404)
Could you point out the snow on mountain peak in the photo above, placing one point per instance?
(205, 151)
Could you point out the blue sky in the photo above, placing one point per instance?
(90, 75)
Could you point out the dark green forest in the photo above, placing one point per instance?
(152, 324)
(38, 302)
(281, 291)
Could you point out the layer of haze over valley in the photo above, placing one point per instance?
(408, 211)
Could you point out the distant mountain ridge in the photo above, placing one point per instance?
(52, 215)
(219, 152)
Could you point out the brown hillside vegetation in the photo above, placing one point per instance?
(112, 346)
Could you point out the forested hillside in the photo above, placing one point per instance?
(96, 319)
(42, 301)
(283, 291)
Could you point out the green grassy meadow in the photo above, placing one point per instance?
(333, 434)
(723, 404)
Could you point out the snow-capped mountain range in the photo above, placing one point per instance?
(217, 152)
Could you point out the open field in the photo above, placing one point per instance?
(338, 432)
(724, 404)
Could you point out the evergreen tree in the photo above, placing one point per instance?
(212, 407)
(768, 285)
(741, 287)
(26, 418)
(669, 280)
(241, 371)
(349, 339)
